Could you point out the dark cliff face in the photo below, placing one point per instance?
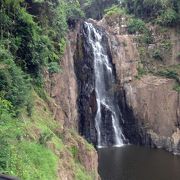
(87, 104)
(148, 116)
(83, 61)
(132, 127)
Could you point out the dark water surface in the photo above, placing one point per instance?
(138, 163)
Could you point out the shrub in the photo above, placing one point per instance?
(166, 44)
(164, 12)
(114, 10)
(167, 18)
(45, 137)
(177, 87)
(136, 25)
(141, 71)
(73, 10)
(157, 55)
(53, 67)
(169, 74)
(74, 152)
(14, 84)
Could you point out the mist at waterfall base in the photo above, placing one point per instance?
(137, 163)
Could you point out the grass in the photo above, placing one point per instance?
(33, 161)
(80, 174)
(30, 146)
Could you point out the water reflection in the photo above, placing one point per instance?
(138, 163)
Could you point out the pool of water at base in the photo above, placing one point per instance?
(137, 163)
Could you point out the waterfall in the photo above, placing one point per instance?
(108, 113)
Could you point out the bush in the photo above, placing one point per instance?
(136, 25)
(114, 10)
(164, 12)
(177, 87)
(32, 51)
(141, 71)
(172, 74)
(73, 10)
(45, 137)
(169, 74)
(74, 152)
(157, 55)
(14, 84)
(53, 67)
(167, 18)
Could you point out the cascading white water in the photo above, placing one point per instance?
(104, 81)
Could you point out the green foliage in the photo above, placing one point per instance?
(136, 25)
(74, 152)
(177, 87)
(32, 38)
(167, 18)
(18, 155)
(85, 4)
(32, 161)
(163, 12)
(172, 74)
(36, 36)
(147, 37)
(166, 44)
(81, 175)
(59, 25)
(63, 46)
(5, 106)
(14, 85)
(114, 10)
(73, 10)
(10, 132)
(157, 55)
(53, 67)
(45, 137)
(141, 71)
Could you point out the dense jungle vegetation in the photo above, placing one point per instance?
(32, 38)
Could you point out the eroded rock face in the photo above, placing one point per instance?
(156, 109)
(62, 88)
(84, 68)
(124, 51)
(149, 106)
